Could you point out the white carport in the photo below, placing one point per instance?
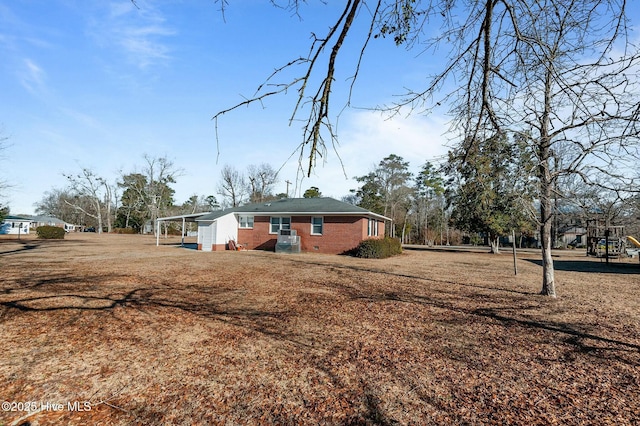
(184, 218)
(215, 229)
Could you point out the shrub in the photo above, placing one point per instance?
(376, 248)
(476, 240)
(50, 232)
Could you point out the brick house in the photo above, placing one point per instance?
(324, 225)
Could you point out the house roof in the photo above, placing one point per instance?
(47, 219)
(17, 218)
(297, 206)
(214, 215)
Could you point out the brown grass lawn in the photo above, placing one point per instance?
(167, 335)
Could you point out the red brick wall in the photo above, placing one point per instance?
(340, 234)
(258, 237)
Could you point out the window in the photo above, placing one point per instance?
(245, 221)
(278, 223)
(373, 228)
(316, 225)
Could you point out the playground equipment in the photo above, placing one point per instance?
(605, 241)
(633, 252)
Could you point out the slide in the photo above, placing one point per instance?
(634, 241)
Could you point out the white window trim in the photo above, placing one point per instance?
(321, 225)
(280, 223)
(372, 232)
(246, 216)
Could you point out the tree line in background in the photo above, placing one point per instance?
(482, 196)
(134, 200)
(475, 197)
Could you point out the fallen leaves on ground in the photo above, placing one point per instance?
(167, 335)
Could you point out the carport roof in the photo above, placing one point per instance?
(187, 217)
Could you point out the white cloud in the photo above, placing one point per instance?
(81, 118)
(32, 77)
(416, 138)
(138, 32)
(365, 139)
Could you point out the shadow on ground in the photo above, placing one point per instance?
(595, 265)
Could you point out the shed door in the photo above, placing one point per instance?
(207, 235)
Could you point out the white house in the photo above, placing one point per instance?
(15, 225)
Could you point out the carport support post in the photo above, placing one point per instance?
(606, 245)
(157, 233)
(183, 222)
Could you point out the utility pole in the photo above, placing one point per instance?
(288, 183)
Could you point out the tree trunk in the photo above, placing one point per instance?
(99, 216)
(548, 276)
(442, 226)
(546, 186)
(108, 207)
(426, 228)
(495, 244)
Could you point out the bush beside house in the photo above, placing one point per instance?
(50, 232)
(378, 248)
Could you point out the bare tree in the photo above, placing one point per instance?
(261, 179)
(567, 90)
(561, 73)
(110, 203)
(233, 186)
(86, 185)
(160, 172)
(4, 210)
(317, 99)
(59, 203)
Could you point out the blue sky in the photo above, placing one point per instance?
(97, 84)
